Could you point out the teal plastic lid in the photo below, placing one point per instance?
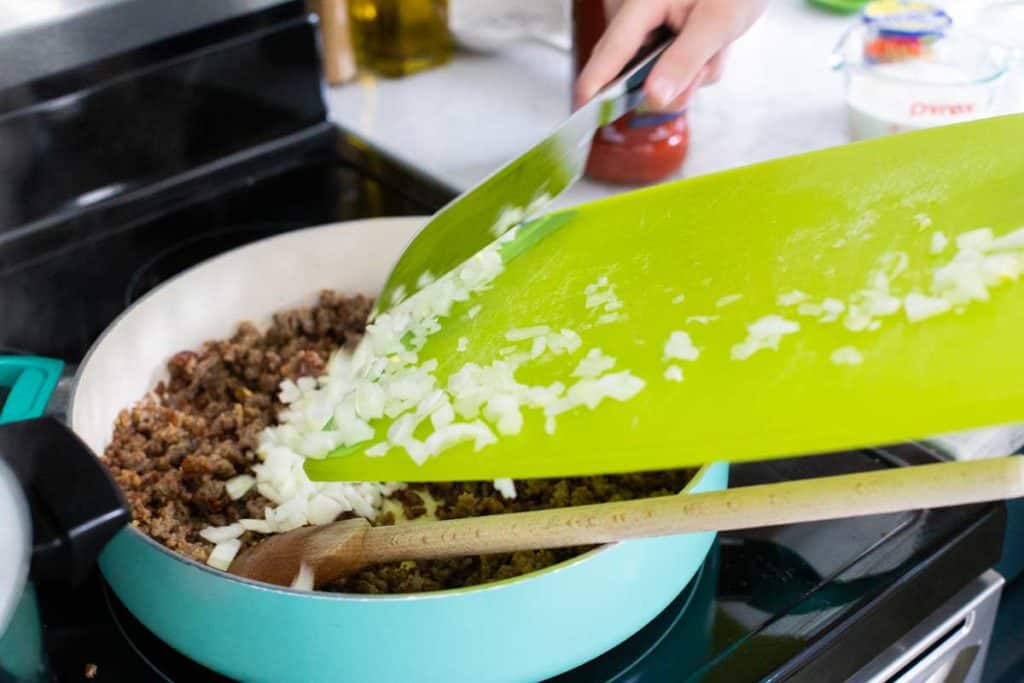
(29, 381)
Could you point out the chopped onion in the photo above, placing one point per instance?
(237, 487)
(939, 243)
(268, 491)
(961, 281)
(1011, 240)
(792, 298)
(506, 487)
(999, 269)
(521, 333)
(594, 364)
(609, 318)
(323, 509)
(223, 554)
(503, 410)
(303, 581)
(259, 526)
(975, 240)
(620, 386)
(369, 400)
(538, 203)
(847, 355)
(772, 326)
(923, 221)
(425, 279)
(377, 450)
(509, 217)
(764, 333)
(443, 416)
(289, 392)
(384, 377)
(539, 346)
(680, 347)
(564, 341)
(454, 434)
(857, 319)
(674, 373)
(601, 295)
(832, 308)
(726, 300)
(219, 534)
(919, 307)
(809, 308)
(678, 299)
(880, 304)
(398, 295)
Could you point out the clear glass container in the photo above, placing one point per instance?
(953, 78)
(1002, 24)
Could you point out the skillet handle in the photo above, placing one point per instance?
(29, 381)
(75, 504)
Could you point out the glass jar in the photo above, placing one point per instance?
(400, 37)
(642, 146)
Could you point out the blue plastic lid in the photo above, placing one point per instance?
(905, 18)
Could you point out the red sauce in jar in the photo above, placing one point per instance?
(641, 147)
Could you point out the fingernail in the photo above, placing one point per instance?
(663, 90)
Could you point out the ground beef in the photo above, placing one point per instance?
(172, 452)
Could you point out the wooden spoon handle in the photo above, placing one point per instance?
(808, 500)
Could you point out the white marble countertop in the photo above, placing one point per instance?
(459, 122)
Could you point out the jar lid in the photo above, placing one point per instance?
(901, 18)
(15, 544)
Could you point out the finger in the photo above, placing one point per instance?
(704, 34)
(683, 99)
(611, 7)
(626, 32)
(715, 66)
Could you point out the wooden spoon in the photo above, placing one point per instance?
(333, 551)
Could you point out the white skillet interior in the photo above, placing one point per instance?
(209, 300)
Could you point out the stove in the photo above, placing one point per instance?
(120, 172)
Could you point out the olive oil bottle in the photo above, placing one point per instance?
(400, 37)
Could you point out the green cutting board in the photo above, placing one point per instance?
(816, 223)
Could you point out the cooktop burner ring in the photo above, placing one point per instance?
(195, 250)
(156, 654)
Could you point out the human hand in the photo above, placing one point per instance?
(705, 29)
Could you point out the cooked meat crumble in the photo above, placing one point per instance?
(173, 452)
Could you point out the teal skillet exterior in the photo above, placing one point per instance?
(520, 630)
